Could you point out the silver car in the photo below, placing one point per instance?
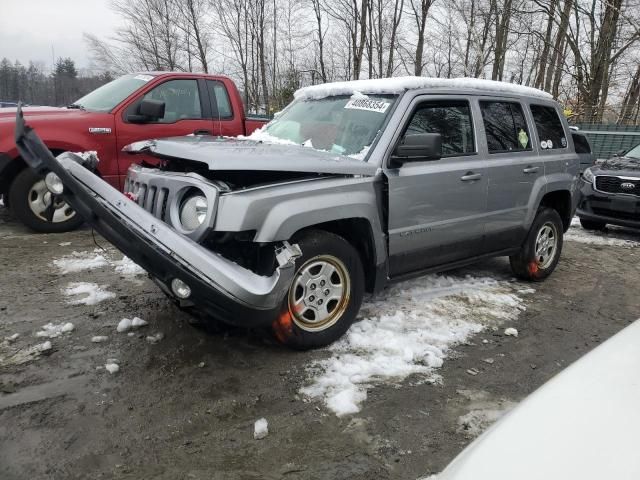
(353, 186)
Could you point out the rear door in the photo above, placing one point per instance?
(513, 166)
(187, 111)
(437, 207)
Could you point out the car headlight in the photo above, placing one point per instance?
(193, 211)
(53, 183)
(587, 175)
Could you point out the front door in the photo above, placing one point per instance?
(437, 207)
(187, 111)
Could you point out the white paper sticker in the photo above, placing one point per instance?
(549, 144)
(563, 142)
(144, 78)
(543, 144)
(368, 104)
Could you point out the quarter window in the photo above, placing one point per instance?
(581, 143)
(451, 119)
(220, 99)
(505, 127)
(181, 100)
(549, 127)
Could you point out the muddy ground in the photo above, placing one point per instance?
(165, 416)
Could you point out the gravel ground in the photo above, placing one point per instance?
(185, 406)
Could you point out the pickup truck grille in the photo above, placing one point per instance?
(611, 184)
(150, 197)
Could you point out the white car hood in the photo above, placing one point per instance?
(584, 424)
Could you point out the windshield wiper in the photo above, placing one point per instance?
(76, 106)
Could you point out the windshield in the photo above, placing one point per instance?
(107, 97)
(343, 125)
(634, 153)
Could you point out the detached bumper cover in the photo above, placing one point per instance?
(220, 288)
(615, 209)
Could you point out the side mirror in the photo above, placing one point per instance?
(149, 110)
(418, 148)
(620, 153)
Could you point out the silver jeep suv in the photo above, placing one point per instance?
(352, 186)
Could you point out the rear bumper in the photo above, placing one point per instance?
(219, 288)
(614, 209)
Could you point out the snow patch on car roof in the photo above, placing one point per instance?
(401, 84)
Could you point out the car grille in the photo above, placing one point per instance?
(609, 184)
(150, 197)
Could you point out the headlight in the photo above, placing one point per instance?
(53, 183)
(587, 175)
(193, 211)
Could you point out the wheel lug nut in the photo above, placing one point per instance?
(312, 298)
(326, 292)
(312, 286)
(322, 282)
(320, 302)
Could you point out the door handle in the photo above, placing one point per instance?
(470, 177)
(531, 169)
(202, 132)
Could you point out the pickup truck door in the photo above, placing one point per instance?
(187, 111)
(513, 166)
(437, 207)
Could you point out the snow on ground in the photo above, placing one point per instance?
(79, 261)
(410, 329)
(612, 237)
(51, 330)
(127, 267)
(483, 411)
(87, 293)
(25, 355)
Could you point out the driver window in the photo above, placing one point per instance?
(181, 100)
(451, 119)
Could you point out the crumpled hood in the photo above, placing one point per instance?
(251, 155)
(619, 167)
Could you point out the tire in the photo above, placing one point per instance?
(534, 266)
(334, 271)
(592, 225)
(28, 195)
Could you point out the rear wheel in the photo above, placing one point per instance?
(540, 253)
(325, 295)
(35, 206)
(592, 225)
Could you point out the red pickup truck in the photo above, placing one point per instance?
(131, 108)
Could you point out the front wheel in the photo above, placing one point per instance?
(34, 205)
(325, 294)
(540, 253)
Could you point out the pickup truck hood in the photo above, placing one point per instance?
(37, 114)
(249, 155)
(582, 424)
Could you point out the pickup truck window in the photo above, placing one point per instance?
(451, 119)
(181, 100)
(581, 143)
(108, 96)
(549, 127)
(633, 153)
(219, 99)
(343, 125)
(505, 127)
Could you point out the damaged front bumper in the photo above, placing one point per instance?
(219, 288)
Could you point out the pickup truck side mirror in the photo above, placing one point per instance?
(418, 148)
(620, 153)
(148, 110)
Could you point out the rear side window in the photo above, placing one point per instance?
(581, 143)
(505, 127)
(549, 127)
(451, 119)
(219, 99)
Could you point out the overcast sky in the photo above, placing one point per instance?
(29, 28)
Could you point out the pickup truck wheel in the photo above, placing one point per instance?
(34, 205)
(325, 294)
(541, 250)
(591, 225)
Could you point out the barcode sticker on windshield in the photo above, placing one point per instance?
(144, 78)
(368, 104)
